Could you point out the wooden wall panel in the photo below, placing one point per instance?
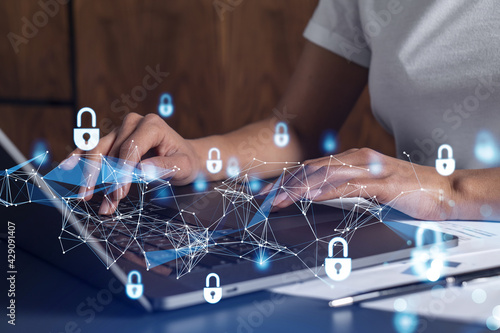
(224, 70)
(25, 125)
(262, 42)
(118, 39)
(223, 73)
(38, 66)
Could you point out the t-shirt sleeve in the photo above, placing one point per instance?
(336, 26)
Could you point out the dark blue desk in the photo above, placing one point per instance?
(49, 300)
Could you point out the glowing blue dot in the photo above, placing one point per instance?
(405, 322)
(39, 153)
(262, 262)
(492, 323)
(486, 210)
(496, 312)
(486, 150)
(375, 168)
(329, 142)
(255, 185)
(479, 296)
(200, 184)
(233, 168)
(434, 272)
(263, 265)
(400, 304)
(163, 195)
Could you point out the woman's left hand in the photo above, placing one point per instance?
(418, 191)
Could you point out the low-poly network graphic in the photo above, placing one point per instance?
(186, 234)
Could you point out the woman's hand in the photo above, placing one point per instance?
(415, 190)
(136, 136)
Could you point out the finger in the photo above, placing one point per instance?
(292, 178)
(327, 166)
(367, 188)
(146, 136)
(119, 136)
(71, 160)
(266, 189)
(92, 165)
(295, 188)
(128, 126)
(116, 192)
(148, 133)
(323, 179)
(347, 190)
(364, 158)
(90, 173)
(298, 175)
(284, 176)
(354, 160)
(178, 167)
(108, 205)
(346, 153)
(315, 175)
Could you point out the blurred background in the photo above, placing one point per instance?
(225, 63)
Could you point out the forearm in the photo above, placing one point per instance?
(476, 194)
(319, 96)
(252, 141)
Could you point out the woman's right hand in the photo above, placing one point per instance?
(129, 143)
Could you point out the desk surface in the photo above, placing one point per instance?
(50, 300)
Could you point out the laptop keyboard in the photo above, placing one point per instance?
(230, 248)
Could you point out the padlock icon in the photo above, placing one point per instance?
(232, 169)
(166, 107)
(79, 133)
(214, 165)
(212, 294)
(428, 262)
(337, 269)
(281, 136)
(445, 166)
(134, 290)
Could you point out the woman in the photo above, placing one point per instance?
(434, 78)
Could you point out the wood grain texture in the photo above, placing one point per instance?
(25, 125)
(262, 43)
(222, 73)
(40, 68)
(118, 39)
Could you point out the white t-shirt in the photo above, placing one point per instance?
(434, 70)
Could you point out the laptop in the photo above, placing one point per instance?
(175, 237)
